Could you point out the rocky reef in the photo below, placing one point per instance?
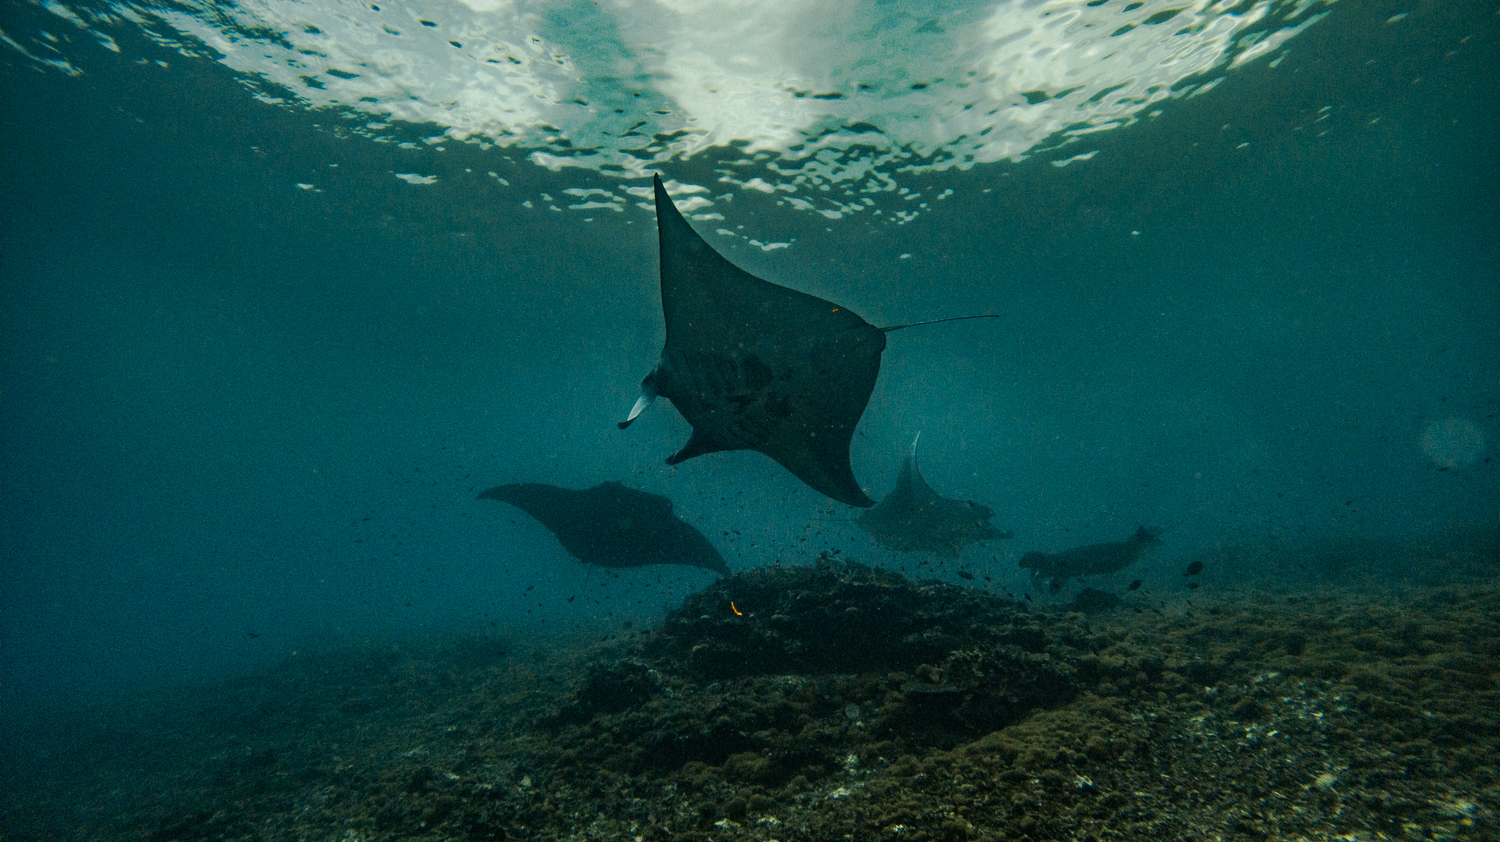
(835, 701)
(866, 651)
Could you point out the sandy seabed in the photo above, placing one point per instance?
(836, 701)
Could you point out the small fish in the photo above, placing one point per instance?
(1135, 585)
(966, 575)
(1193, 569)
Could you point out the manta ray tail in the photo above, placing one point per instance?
(936, 321)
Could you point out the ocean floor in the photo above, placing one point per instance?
(836, 701)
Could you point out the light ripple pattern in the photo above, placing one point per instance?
(836, 96)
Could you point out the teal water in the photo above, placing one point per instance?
(268, 329)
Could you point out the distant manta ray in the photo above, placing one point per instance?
(1091, 560)
(756, 366)
(610, 525)
(914, 518)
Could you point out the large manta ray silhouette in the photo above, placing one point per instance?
(756, 366)
(914, 518)
(613, 526)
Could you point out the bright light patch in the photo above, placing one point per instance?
(624, 88)
(1452, 442)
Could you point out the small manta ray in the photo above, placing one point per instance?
(610, 525)
(756, 366)
(1090, 560)
(913, 518)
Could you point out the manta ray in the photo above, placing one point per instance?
(752, 365)
(610, 525)
(914, 518)
(1092, 559)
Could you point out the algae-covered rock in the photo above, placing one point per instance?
(839, 702)
(839, 617)
(805, 664)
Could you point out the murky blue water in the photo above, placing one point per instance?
(283, 290)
